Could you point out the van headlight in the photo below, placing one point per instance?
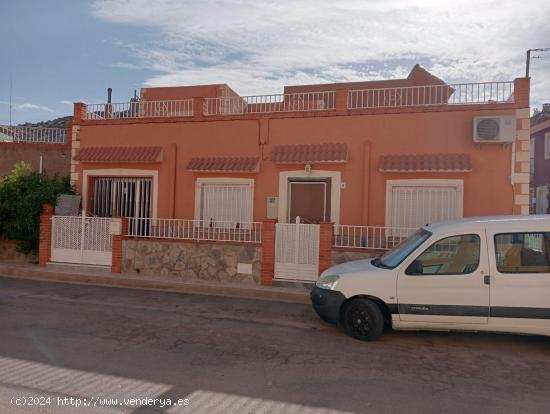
(327, 282)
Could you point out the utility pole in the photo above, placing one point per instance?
(528, 58)
(11, 93)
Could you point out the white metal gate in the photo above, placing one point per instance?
(82, 240)
(297, 251)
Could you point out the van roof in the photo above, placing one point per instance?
(531, 223)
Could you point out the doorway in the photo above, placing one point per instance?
(309, 199)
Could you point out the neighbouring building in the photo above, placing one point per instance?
(540, 166)
(371, 157)
(43, 145)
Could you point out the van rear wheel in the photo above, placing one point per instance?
(363, 320)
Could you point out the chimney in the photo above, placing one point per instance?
(109, 93)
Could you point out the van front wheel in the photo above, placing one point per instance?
(363, 320)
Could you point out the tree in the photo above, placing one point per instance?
(22, 194)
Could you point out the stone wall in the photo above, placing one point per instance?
(342, 256)
(211, 262)
(9, 253)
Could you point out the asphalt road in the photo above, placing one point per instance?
(228, 355)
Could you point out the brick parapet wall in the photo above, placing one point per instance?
(312, 114)
(45, 239)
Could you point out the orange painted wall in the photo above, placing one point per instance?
(487, 189)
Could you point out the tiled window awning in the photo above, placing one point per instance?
(224, 164)
(119, 154)
(315, 153)
(426, 163)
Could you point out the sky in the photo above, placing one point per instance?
(61, 51)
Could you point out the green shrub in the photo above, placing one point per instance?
(22, 194)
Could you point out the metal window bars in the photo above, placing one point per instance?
(35, 135)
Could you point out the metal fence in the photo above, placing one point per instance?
(140, 109)
(35, 135)
(262, 104)
(454, 94)
(184, 229)
(369, 237)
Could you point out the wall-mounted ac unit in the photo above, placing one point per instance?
(494, 129)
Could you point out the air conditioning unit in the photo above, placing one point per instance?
(494, 129)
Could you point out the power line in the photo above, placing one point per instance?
(528, 58)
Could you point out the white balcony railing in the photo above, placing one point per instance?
(263, 104)
(369, 237)
(184, 229)
(35, 135)
(140, 109)
(427, 95)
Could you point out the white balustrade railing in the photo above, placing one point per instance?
(369, 237)
(263, 104)
(35, 135)
(426, 95)
(184, 229)
(140, 109)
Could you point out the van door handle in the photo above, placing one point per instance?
(487, 279)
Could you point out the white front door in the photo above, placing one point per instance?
(520, 281)
(446, 282)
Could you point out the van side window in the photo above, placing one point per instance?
(523, 252)
(456, 255)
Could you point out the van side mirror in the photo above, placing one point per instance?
(415, 268)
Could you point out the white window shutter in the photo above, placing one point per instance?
(415, 206)
(225, 202)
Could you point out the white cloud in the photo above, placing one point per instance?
(126, 65)
(28, 107)
(65, 102)
(257, 47)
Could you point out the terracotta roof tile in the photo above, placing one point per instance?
(425, 163)
(303, 153)
(119, 154)
(223, 164)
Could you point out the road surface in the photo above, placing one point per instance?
(206, 354)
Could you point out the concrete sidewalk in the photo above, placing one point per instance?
(100, 276)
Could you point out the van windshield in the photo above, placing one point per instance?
(395, 256)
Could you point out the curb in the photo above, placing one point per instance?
(290, 295)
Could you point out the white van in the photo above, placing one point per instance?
(476, 274)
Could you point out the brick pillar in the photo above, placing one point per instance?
(116, 263)
(521, 92)
(342, 100)
(198, 107)
(268, 252)
(45, 238)
(325, 245)
(522, 158)
(79, 112)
